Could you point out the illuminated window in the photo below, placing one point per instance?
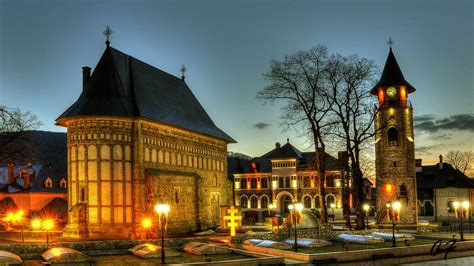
(63, 183)
(392, 137)
(48, 182)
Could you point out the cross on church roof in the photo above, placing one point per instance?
(183, 70)
(390, 42)
(107, 32)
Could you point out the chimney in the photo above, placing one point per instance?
(10, 173)
(440, 161)
(86, 75)
(26, 179)
(277, 145)
(418, 165)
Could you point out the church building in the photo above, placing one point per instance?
(137, 136)
(394, 145)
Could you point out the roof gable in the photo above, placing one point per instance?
(122, 85)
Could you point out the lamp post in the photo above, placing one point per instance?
(48, 225)
(396, 211)
(270, 207)
(366, 209)
(463, 206)
(162, 210)
(295, 210)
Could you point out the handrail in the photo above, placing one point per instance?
(448, 246)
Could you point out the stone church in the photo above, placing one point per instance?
(138, 136)
(394, 145)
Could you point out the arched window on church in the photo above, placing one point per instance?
(307, 202)
(63, 183)
(243, 202)
(48, 182)
(392, 137)
(264, 202)
(254, 202)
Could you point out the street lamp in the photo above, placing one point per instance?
(48, 225)
(464, 206)
(162, 210)
(396, 211)
(270, 207)
(366, 209)
(295, 211)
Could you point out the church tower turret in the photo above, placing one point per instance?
(394, 144)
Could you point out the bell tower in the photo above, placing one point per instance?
(394, 145)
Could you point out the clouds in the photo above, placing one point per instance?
(261, 125)
(429, 123)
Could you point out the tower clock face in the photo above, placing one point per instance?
(391, 91)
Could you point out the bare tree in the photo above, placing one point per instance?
(348, 80)
(298, 80)
(460, 160)
(15, 144)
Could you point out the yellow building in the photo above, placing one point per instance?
(138, 136)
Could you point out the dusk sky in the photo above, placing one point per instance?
(228, 45)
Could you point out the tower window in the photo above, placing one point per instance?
(392, 137)
(403, 191)
(394, 164)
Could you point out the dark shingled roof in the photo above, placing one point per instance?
(48, 157)
(434, 177)
(125, 86)
(263, 163)
(392, 75)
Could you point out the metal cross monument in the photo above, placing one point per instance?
(233, 218)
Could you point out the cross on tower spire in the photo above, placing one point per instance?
(107, 32)
(183, 70)
(390, 42)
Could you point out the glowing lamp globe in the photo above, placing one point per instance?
(162, 208)
(299, 207)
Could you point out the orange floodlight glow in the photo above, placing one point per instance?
(36, 224)
(146, 223)
(388, 188)
(48, 224)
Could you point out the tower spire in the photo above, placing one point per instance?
(107, 32)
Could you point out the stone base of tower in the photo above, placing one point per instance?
(77, 225)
